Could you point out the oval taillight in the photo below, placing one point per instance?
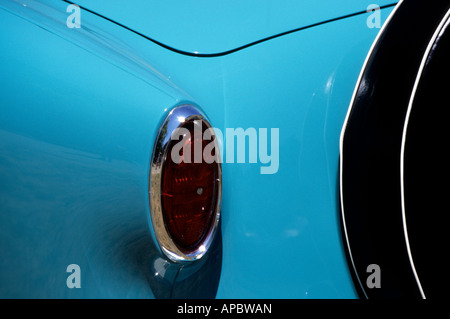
(185, 184)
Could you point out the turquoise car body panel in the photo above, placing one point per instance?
(210, 27)
(79, 113)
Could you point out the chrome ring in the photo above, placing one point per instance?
(175, 119)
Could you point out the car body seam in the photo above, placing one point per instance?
(223, 53)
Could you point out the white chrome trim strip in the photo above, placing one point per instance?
(341, 141)
(444, 21)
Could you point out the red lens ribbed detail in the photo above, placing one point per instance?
(189, 192)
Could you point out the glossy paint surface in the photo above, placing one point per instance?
(78, 119)
(205, 26)
(76, 134)
(378, 229)
(281, 232)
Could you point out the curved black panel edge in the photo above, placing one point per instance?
(425, 161)
(371, 190)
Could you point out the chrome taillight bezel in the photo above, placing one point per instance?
(174, 120)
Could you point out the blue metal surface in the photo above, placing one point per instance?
(79, 112)
(206, 26)
(76, 134)
(281, 232)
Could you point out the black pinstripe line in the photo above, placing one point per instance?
(211, 55)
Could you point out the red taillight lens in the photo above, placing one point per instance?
(185, 185)
(189, 191)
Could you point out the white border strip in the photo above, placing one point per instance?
(341, 142)
(405, 129)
